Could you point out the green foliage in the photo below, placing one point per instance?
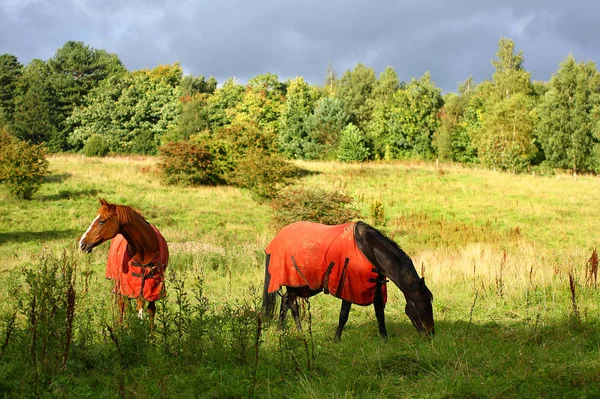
(245, 136)
(353, 145)
(223, 153)
(193, 85)
(312, 204)
(76, 69)
(387, 84)
(261, 104)
(263, 174)
(403, 125)
(355, 90)
(510, 77)
(188, 164)
(35, 118)
(566, 125)
(325, 125)
(452, 140)
(95, 146)
(23, 166)
(219, 106)
(144, 142)
(293, 139)
(193, 119)
(10, 73)
(131, 111)
(377, 213)
(506, 140)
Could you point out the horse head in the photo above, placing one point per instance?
(104, 227)
(419, 310)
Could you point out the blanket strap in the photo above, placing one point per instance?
(326, 280)
(299, 272)
(342, 278)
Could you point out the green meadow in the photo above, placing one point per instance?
(509, 259)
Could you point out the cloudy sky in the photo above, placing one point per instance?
(235, 38)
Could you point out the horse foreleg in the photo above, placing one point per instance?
(379, 307)
(151, 313)
(344, 312)
(140, 307)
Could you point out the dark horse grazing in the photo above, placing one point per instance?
(137, 257)
(350, 261)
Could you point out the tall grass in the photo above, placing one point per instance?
(510, 261)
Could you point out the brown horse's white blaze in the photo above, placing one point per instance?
(82, 242)
(138, 254)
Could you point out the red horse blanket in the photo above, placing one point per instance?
(132, 279)
(322, 257)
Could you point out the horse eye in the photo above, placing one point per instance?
(101, 222)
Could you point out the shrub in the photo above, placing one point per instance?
(223, 158)
(187, 164)
(353, 145)
(263, 174)
(377, 213)
(312, 204)
(143, 143)
(23, 166)
(95, 146)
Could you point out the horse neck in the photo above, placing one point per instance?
(401, 271)
(390, 261)
(142, 240)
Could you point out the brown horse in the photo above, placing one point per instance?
(137, 257)
(349, 261)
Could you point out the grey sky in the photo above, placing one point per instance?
(227, 38)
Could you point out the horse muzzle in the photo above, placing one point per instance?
(87, 248)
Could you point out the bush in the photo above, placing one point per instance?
(95, 146)
(312, 204)
(188, 164)
(23, 166)
(353, 145)
(143, 143)
(263, 174)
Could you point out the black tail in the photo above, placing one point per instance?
(269, 300)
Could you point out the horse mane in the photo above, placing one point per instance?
(391, 244)
(123, 213)
(394, 247)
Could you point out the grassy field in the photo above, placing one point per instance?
(497, 250)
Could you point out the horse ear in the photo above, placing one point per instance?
(102, 201)
(422, 281)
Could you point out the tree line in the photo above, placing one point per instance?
(84, 99)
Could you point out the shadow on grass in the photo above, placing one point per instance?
(71, 194)
(302, 172)
(38, 236)
(57, 177)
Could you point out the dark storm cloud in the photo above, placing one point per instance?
(452, 40)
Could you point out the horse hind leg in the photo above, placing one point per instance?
(285, 305)
(121, 304)
(293, 305)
